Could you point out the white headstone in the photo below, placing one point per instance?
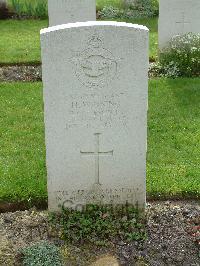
(95, 78)
(177, 17)
(3, 2)
(68, 11)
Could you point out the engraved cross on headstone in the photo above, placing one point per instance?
(183, 22)
(96, 155)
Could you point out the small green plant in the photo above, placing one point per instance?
(182, 56)
(28, 8)
(34, 8)
(100, 4)
(149, 8)
(170, 70)
(111, 12)
(17, 6)
(137, 9)
(41, 254)
(101, 224)
(41, 9)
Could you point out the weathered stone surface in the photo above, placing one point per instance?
(68, 11)
(177, 17)
(95, 78)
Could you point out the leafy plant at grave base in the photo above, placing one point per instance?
(17, 6)
(30, 8)
(157, 70)
(41, 9)
(41, 254)
(100, 4)
(111, 12)
(100, 225)
(149, 8)
(181, 57)
(136, 9)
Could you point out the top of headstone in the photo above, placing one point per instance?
(93, 23)
(71, 11)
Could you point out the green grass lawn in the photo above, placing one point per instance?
(22, 153)
(173, 168)
(20, 40)
(115, 3)
(173, 138)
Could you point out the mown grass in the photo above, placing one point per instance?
(173, 168)
(20, 40)
(115, 3)
(174, 139)
(22, 153)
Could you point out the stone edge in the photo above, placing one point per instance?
(93, 23)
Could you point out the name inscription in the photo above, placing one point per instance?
(95, 109)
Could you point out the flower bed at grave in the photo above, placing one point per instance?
(180, 59)
(131, 10)
(176, 222)
(108, 9)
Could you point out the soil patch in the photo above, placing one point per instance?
(173, 230)
(21, 73)
(33, 72)
(22, 206)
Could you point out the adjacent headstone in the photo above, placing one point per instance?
(68, 11)
(177, 17)
(95, 78)
(4, 12)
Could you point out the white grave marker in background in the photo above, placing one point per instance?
(177, 17)
(68, 11)
(3, 3)
(95, 77)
